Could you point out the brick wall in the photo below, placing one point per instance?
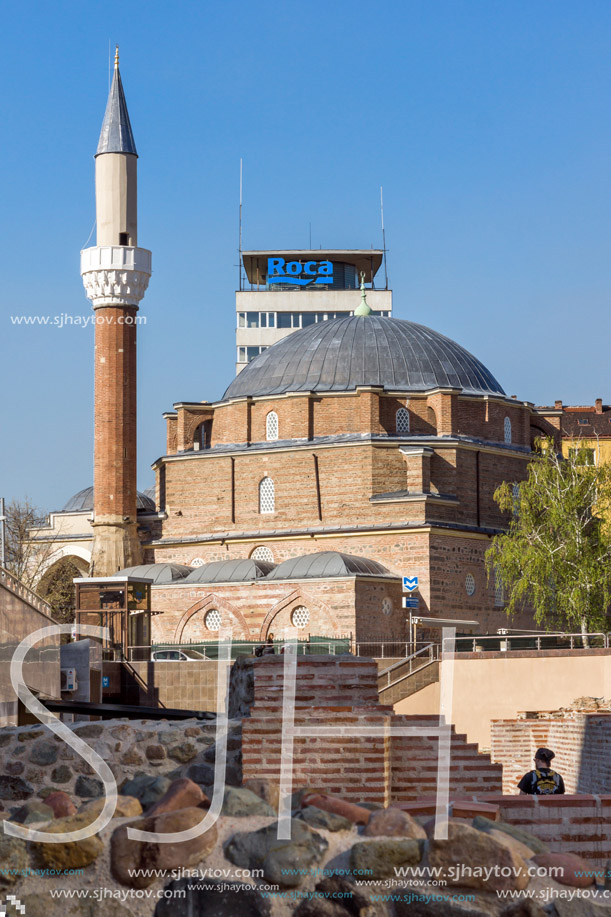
(581, 742)
(578, 824)
(337, 606)
(341, 692)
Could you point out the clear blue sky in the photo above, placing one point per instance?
(487, 124)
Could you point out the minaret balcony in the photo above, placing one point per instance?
(115, 275)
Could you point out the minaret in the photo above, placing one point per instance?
(115, 274)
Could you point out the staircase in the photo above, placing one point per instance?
(409, 675)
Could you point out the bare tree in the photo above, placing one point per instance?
(27, 558)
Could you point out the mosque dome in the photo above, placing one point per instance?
(343, 353)
(83, 502)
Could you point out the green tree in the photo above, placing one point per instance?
(556, 554)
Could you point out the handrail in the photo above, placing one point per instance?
(401, 662)
(14, 585)
(433, 656)
(508, 639)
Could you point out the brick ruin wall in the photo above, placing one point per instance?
(336, 692)
(581, 741)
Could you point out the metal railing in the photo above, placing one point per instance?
(423, 657)
(23, 592)
(533, 641)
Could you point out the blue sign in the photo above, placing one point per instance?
(410, 583)
(409, 602)
(105, 681)
(300, 275)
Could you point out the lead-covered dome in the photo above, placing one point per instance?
(338, 355)
(83, 502)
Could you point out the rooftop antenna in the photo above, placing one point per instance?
(383, 236)
(240, 233)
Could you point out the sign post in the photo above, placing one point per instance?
(411, 601)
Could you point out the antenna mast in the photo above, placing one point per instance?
(383, 237)
(240, 234)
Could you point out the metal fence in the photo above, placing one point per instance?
(513, 642)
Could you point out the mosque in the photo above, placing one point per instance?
(350, 454)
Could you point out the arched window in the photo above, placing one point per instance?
(431, 418)
(212, 621)
(300, 617)
(263, 553)
(267, 496)
(271, 426)
(402, 421)
(507, 429)
(201, 435)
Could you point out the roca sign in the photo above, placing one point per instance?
(301, 275)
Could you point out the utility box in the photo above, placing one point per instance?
(69, 682)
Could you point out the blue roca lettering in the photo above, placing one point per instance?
(298, 274)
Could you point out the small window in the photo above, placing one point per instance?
(242, 355)
(507, 429)
(241, 319)
(300, 617)
(263, 553)
(386, 605)
(499, 592)
(212, 621)
(402, 421)
(123, 238)
(271, 426)
(470, 584)
(431, 418)
(197, 562)
(587, 455)
(267, 496)
(583, 422)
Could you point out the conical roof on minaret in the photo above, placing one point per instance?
(116, 135)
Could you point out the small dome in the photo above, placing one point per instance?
(161, 574)
(230, 571)
(83, 502)
(338, 355)
(327, 563)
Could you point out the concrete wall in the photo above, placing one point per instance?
(21, 613)
(491, 686)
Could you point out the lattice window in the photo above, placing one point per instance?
(267, 496)
(271, 426)
(507, 429)
(402, 421)
(300, 617)
(212, 620)
(499, 591)
(470, 584)
(197, 562)
(386, 605)
(263, 553)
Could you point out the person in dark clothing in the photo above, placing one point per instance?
(543, 781)
(266, 649)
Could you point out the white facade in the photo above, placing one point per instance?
(268, 311)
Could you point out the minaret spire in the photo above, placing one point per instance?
(116, 135)
(115, 274)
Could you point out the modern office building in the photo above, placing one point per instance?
(268, 307)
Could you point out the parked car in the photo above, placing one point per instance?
(178, 656)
